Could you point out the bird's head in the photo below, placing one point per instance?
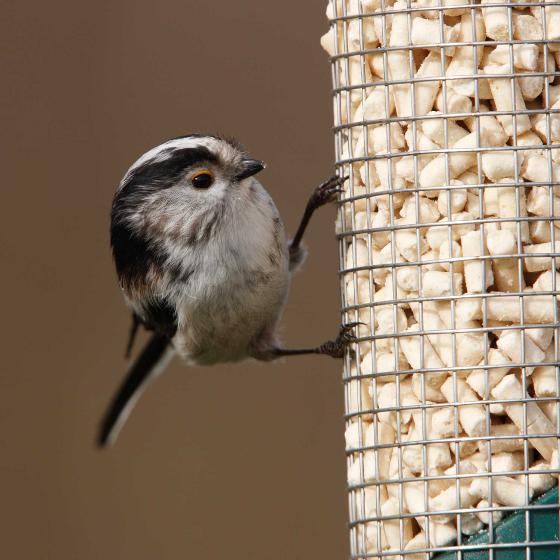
(183, 178)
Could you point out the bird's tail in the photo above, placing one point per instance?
(147, 366)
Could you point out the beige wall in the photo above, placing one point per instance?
(231, 462)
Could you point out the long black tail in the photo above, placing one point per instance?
(144, 369)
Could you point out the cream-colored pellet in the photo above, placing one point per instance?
(453, 199)
(537, 423)
(413, 348)
(362, 470)
(525, 56)
(484, 516)
(506, 491)
(413, 493)
(540, 232)
(462, 63)
(430, 320)
(442, 535)
(540, 482)
(442, 284)
(531, 86)
(435, 173)
(364, 36)
(482, 382)
(352, 74)
(452, 103)
(547, 282)
(501, 165)
(409, 245)
(450, 499)
(511, 345)
(539, 202)
(398, 60)
(512, 204)
(382, 434)
(390, 321)
(428, 32)
(537, 264)
(366, 502)
(397, 533)
(506, 271)
(362, 290)
(526, 27)
(443, 423)
(469, 309)
(423, 211)
(385, 363)
(490, 128)
(424, 391)
(496, 21)
(443, 132)
(359, 400)
(477, 280)
(354, 435)
(491, 204)
(544, 378)
(374, 106)
(505, 462)
(502, 95)
(446, 253)
(471, 416)
(386, 398)
(369, 178)
(438, 455)
(470, 524)
(510, 444)
(388, 138)
(466, 447)
(418, 542)
(537, 169)
(426, 91)
(548, 126)
(552, 15)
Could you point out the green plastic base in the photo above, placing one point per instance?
(543, 527)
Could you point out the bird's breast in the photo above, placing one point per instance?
(235, 296)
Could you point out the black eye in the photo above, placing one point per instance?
(202, 180)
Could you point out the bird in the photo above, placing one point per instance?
(203, 261)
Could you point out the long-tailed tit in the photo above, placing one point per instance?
(203, 261)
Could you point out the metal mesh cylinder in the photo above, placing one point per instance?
(447, 122)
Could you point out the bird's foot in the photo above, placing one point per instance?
(326, 192)
(336, 348)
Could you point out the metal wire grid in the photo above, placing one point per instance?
(361, 387)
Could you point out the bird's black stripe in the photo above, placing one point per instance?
(163, 173)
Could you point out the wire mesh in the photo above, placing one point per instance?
(447, 123)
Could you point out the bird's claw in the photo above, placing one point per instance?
(326, 192)
(336, 348)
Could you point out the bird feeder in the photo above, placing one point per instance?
(447, 122)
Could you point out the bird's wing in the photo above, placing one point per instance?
(147, 366)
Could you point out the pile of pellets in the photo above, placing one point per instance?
(450, 231)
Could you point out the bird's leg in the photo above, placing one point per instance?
(333, 348)
(326, 192)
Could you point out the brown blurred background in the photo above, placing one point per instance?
(237, 461)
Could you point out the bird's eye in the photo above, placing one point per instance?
(202, 179)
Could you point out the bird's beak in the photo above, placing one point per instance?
(249, 167)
